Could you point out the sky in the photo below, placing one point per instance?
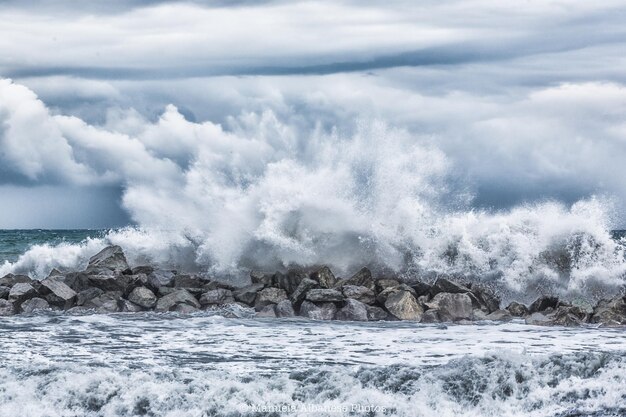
(105, 105)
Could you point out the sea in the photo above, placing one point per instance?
(230, 363)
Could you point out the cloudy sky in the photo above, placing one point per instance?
(527, 100)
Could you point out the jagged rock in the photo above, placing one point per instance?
(6, 308)
(583, 305)
(284, 309)
(219, 296)
(128, 306)
(87, 295)
(486, 297)
(363, 278)
(21, 292)
(185, 309)
(447, 286)
(479, 315)
(109, 302)
(324, 277)
(160, 278)
(303, 288)
(421, 288)
(269, 296)
(431, 316)
(163, 291)
(179, 296)
(77, 281)
(57, 293)
(452, 306)
(143, 297)
(375, 313)
(569, 316)
(258, 277)
(110, 282)
(499, 315)
(34, 304)
(323, 311)
(362, 294)
(188, 281)
(381, 298)
(10, 280)
(403, 305)
(322, 295)
(383, 284)
(4, 292)
(143, 269)
(539, 319)
(610, 312)
(517, 309)
(111, 257)
(290, 281)
(247, 294)
(267, 311)
(353, 310)
(542, 304)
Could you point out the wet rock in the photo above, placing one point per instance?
(217, 297)
(381, 298)
(108, 302)
(110, 282)
(160, 278)
(57, 293)
(128, 306)
(324, 277)
(362, 294)
(568, 316)
(486, 297)
(375, 313)
(77, 281)
(403, 305)
(542, 304)
(303, 288)
(179, 296)
(363, 278)
(452, 306)
(323, 311)
(353, 310)
(324, 295)
(258, 277)
(421, 288)
(610, 312)
(447, 286)
(383, 284)
(289, 281)
(267, 311)
(143, 297)
(34, 304)
(188, 281)
(431, 316)
(21, 292)
(111, 258)
(247, 294)
(87, 295)
(10, 280)
(4, 292)
(517, 309)
(539, 319)
(499, 315)
(6, 308)
(185, 309)
(269, 296)
(284, 309)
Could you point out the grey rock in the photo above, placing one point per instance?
(179, 296)
(610, 312)
(499, 315)
(247, 294)
(284, 309)
(269, 296)
(87, 295)
(143, 269)
(21, 292)
(323, 311)
(448, 286)
(486, 297)
(108, 302)
(163, 291)
(160, 278)
(10, 280)
(143, 297)
(258, 277)
(322, 295)
(452, 306)
(569, 316)
(381, 298)
(57, 293)
(289, 281)
(375, 313)
(78, 281)
(539, 319)
(34, 304)
(189, 281)
(353, 310)
(363, 278)
(383, 284)
(267, 311)
(6, 308)
(185, 309)
(517, 309)
(299, 293)
(404, 306)
(130, 307)
(111, 257)
(110, 282)
(542, 304)
(431, 316)
(216, 297)
(324, 277)
(4, 292)
(479, 315)
(421, 288)
(362, 294)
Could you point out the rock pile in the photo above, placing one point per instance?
(109, 285)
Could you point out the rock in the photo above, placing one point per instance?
(217, 297)
(130, 307)
(284, 309)
(34, 304)
(108, 302)
(143, 297)
(486, 297)
(304, 287)
(4, 292)
(324, 277)
(353, 310)
(6, 308)
(57, 293)
(539, 319)
(160, 278)
(267, 311)
(185, 309)
(269, 296)
(77, 281)
(363, 278)
(543, 303)
(381, 298)
(403, 305)
(179, 296)
(322, 295)
(569, 316)
(447, 286)
(452, 306)
(258, 277)
(431, 316)
(362, 294)
(479, 315)
(143, 269)
(163, 291)
(290, 281)
(499, 315)
(383, 284)
(21, 292)
(610, 312)
(583, 305)
(375, 313)
(110, 282)
(421, 288)
(10, 280)
(247, 294)
(323, 311)
(517, 309)
(111, 258)
(87, 295)
(188, 281)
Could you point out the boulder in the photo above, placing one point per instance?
(258, 277)
(381, 298)
(269, 296)
(179, 296)
(289, 281)
(34, 304)
(542, 304)
(217, 297)
(57, 293)
(539, 319)
(127, 306)
(110, 282)
(486, 297)
(10, 280)
(87, 295)
(447, 286)
(324, 277)
(404, 306)
(421, 288)
(517, 309)
(383, 284)
(610, 312)
(303, 288)
(108, 302)
(267, 311)
(160, 278)
(431, 316)
(362, 294)
(284, 309)
(569, 316)
(375, 313)
(247, 294)
(6, 308)
(353, 310)
(185, 309)
(4, 292)
(142, 297)
(111, 258)
(188, 281)
(499, 315)
(324, 295)
(21, 292)
(363, 278)
(322, 311)
(143, 269)
(78, 281)
(452, 306)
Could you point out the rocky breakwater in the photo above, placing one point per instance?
(110, 285)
